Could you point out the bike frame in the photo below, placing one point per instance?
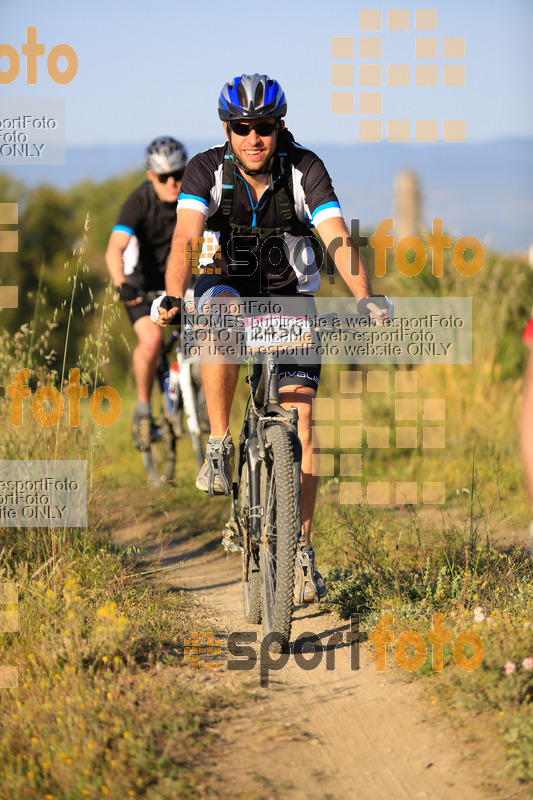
(185, 383)
(251, 450)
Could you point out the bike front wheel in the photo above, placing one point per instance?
(160, 460)
(280, 502)
(251, 578)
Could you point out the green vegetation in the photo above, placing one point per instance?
(99, 646)
(466, 558)
(50, 227)
(99, 649)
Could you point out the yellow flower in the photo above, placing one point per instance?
(69, 761)
(126, 734)
(34, 739)
(105, 790)
(109, 610)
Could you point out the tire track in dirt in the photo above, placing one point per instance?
(315, 735)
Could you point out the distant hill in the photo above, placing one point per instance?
(482, 189)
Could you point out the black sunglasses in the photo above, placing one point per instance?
(176, 175)
(261, 128)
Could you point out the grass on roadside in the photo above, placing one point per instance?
(413, 570)
(467, 557)
(104, 704)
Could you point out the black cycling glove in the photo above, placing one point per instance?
(169, 302)
(379, 300)
(127, 292)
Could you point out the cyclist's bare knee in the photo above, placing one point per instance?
(302, 398)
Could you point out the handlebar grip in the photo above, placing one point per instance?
(169, 302)
(379, 300)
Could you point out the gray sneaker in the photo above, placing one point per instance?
(309, 585)
(215, 476)
(141, 431)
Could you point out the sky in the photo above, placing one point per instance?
(147, 69)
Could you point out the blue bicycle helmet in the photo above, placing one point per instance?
(252, 97)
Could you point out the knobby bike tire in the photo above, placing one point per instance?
(251, 585)
(280, 499)
(160, 460)
(188, 410)
(198, 449)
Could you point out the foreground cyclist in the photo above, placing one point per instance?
(136, 259)
(262, 179)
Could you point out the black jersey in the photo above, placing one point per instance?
(290, 268)
(151, 221)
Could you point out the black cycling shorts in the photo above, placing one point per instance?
(136, 312)
(289, 374)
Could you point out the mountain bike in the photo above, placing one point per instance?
(265, 519)
(265, 516)
(177, 398)
(265, 504)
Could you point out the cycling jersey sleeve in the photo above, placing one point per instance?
(313, 184)
(198, 185)
(132, 212)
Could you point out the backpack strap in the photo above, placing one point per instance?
(224, 212)
(279, 183)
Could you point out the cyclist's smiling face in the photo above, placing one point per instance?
(167, 192)
(252, 150)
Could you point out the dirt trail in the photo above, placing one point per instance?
(314, 735)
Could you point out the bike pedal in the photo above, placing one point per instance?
(230, 545)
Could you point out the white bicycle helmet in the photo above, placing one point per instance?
(164, 155)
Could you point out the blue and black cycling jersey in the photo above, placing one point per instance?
(151, 221)
(287, 263)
